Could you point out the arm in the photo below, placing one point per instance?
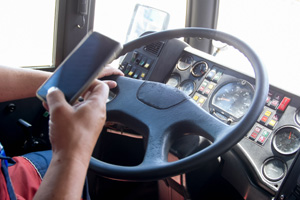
(18, 83)
(72, 144)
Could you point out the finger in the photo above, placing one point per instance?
(99, 93)
(45, 105)
(56, 98)
(109, 70)
(111, 84)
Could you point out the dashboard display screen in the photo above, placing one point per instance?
(234, 98)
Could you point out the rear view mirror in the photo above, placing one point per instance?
(146, 18)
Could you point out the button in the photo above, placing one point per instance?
(265, 133)
(268, 100)
(274, 103)
(261, 140)
(143, 75)
(268, 113)
(128, 68)
(257, 129)
(272, 123)
(147, 65)
(276, 117)
(131, 71)
(217, 77)
(142, 62)
(201, 88)
(201, 100)
(253, 136)
(284, 103)
(211, 86)
(134, 55)
(205, 83)
(211, 74)
(264, 119)
(136, 74)
(196, 97)
(207, 91)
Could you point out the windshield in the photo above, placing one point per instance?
(272, 29)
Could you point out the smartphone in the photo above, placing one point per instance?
(82, 66)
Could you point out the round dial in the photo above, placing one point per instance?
(187, 87)
(298, 116)
(234, 98)
(199, 69)
(174, 80)
(185, 62)
(287, 140)
(274, 169)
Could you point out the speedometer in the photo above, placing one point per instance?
(234, 98)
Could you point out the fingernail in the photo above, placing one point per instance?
(52, 89)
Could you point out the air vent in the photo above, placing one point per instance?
(154, 48)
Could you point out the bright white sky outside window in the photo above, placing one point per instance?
(272, 29)
(26, 36)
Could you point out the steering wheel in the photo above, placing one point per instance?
(162, 113)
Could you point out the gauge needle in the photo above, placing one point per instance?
(290, 135)
(224, 99)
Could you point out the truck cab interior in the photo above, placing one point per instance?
(209, 107)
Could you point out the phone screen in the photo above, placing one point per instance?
(82, 66)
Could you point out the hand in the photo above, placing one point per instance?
(108, 71)
(74, 130)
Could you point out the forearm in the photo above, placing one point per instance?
(64, 179)
(18, 83)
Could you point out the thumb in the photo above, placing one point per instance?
(55, 98)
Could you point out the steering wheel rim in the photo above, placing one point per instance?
(159, 130)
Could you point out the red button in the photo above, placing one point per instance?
(264, 119)
(261, 139)
(284, 103)
(257, 129)
(253, 136)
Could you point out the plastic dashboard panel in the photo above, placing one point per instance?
(256, 148)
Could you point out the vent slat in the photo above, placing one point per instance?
(154, 48)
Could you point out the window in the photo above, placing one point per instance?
(272, 29)
(26, 36)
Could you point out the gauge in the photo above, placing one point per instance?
(199, 69)
(174, 80)
(274, 169)
(298, 116)
(234, 98)
(287, 140)
(185, 62)
(187, 87)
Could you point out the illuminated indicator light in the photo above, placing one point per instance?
(201, 100)
(265, 133)
(284, 103)
(272, 123)
(274, 103)
(143, 75)
(196, 97)
(147, 65)
(130, 73)
(264, 119)
(268, 113)
(211, 86)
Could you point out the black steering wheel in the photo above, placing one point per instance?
(161, 113)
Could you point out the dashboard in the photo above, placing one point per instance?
(270, 148)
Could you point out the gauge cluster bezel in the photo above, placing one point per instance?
(214, 108)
